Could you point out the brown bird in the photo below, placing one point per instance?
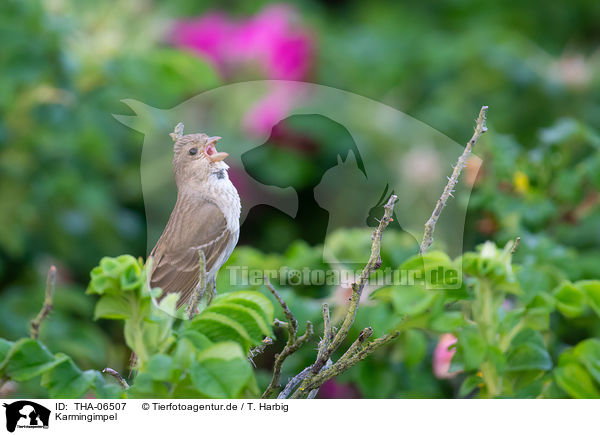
(204, 225)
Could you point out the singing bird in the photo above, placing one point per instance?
(204, 225)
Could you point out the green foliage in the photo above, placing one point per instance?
(205, 357)
(499, 328)
(70, 190)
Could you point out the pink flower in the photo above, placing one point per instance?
(271, 41)
(206, 35)
(442, 357)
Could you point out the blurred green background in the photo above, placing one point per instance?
(70, 190)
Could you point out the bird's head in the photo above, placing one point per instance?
(195, 156)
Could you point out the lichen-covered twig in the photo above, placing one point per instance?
(293, 342)
(331, 341)
(349, 359)
(328, 333)
(115, 374)
(480, 128)
(357, 288)
(34, 330)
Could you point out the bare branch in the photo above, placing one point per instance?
(328, 333)
(357, 288)
(293, 343)
(343, 364)
(515, 245)
(331, 341)
(34, 330)
(480, 128)
(115, 374)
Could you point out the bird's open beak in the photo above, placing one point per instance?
(210, 151)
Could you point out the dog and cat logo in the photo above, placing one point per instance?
(26, 414)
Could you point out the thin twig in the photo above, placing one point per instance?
(34, 330)
(342, 365)
(314, 392)
(293, 383)
(293, 342)
(480, 128)
(515, 245)
(331, 341)
(280, 324)
(357, 288)
(115, 374)
(328, 334)
(255, 351)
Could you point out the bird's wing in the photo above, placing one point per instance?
(195, 226)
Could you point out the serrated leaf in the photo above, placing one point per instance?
(576, 381)
(252, 321)
(253, 300)
(218, 327)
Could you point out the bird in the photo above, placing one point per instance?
(204, 225)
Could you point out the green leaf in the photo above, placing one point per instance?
(588, 352)
(67, 381)
(251, 320)
(570, 300)
(415, 347)
(253, 300)
(448, 321)
(146, 387)
(5, 346)
(472, 347)
(160, 367)
(199, 340)
(221, 371)
(469, 384)
(576, 381)
(591, 289)
(218, 327)
(411, 300)
(528, 356)
(27, 359)
(106, 390)
(113, 307)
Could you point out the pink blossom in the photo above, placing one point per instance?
(272, 40)
(267, 112)
(206, 35)
(442, 357)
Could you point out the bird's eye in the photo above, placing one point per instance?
(193, 151)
